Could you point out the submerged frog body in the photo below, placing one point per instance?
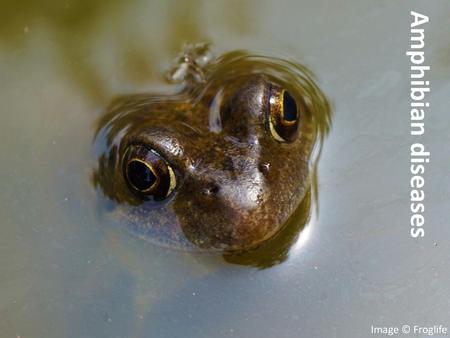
(223, 162)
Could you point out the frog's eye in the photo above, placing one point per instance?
(283, 115)
(147, 173)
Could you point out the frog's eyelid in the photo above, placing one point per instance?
(173, 180)
(269, 102)
(274, 133)
(157, 147)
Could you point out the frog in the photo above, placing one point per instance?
(219, 163)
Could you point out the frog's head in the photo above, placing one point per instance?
(223, 163)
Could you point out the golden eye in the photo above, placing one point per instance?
(283, 115)
(147, 173)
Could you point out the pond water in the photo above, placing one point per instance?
(67, 272)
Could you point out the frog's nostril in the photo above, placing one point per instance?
(211, 190)
(264, 168)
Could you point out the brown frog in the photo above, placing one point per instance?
(221, 163)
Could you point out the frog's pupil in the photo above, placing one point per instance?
(289, 107)
(140, 175)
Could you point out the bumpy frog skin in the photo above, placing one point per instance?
(223, 162)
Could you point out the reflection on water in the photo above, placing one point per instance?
(94, 39)
(221, 164)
